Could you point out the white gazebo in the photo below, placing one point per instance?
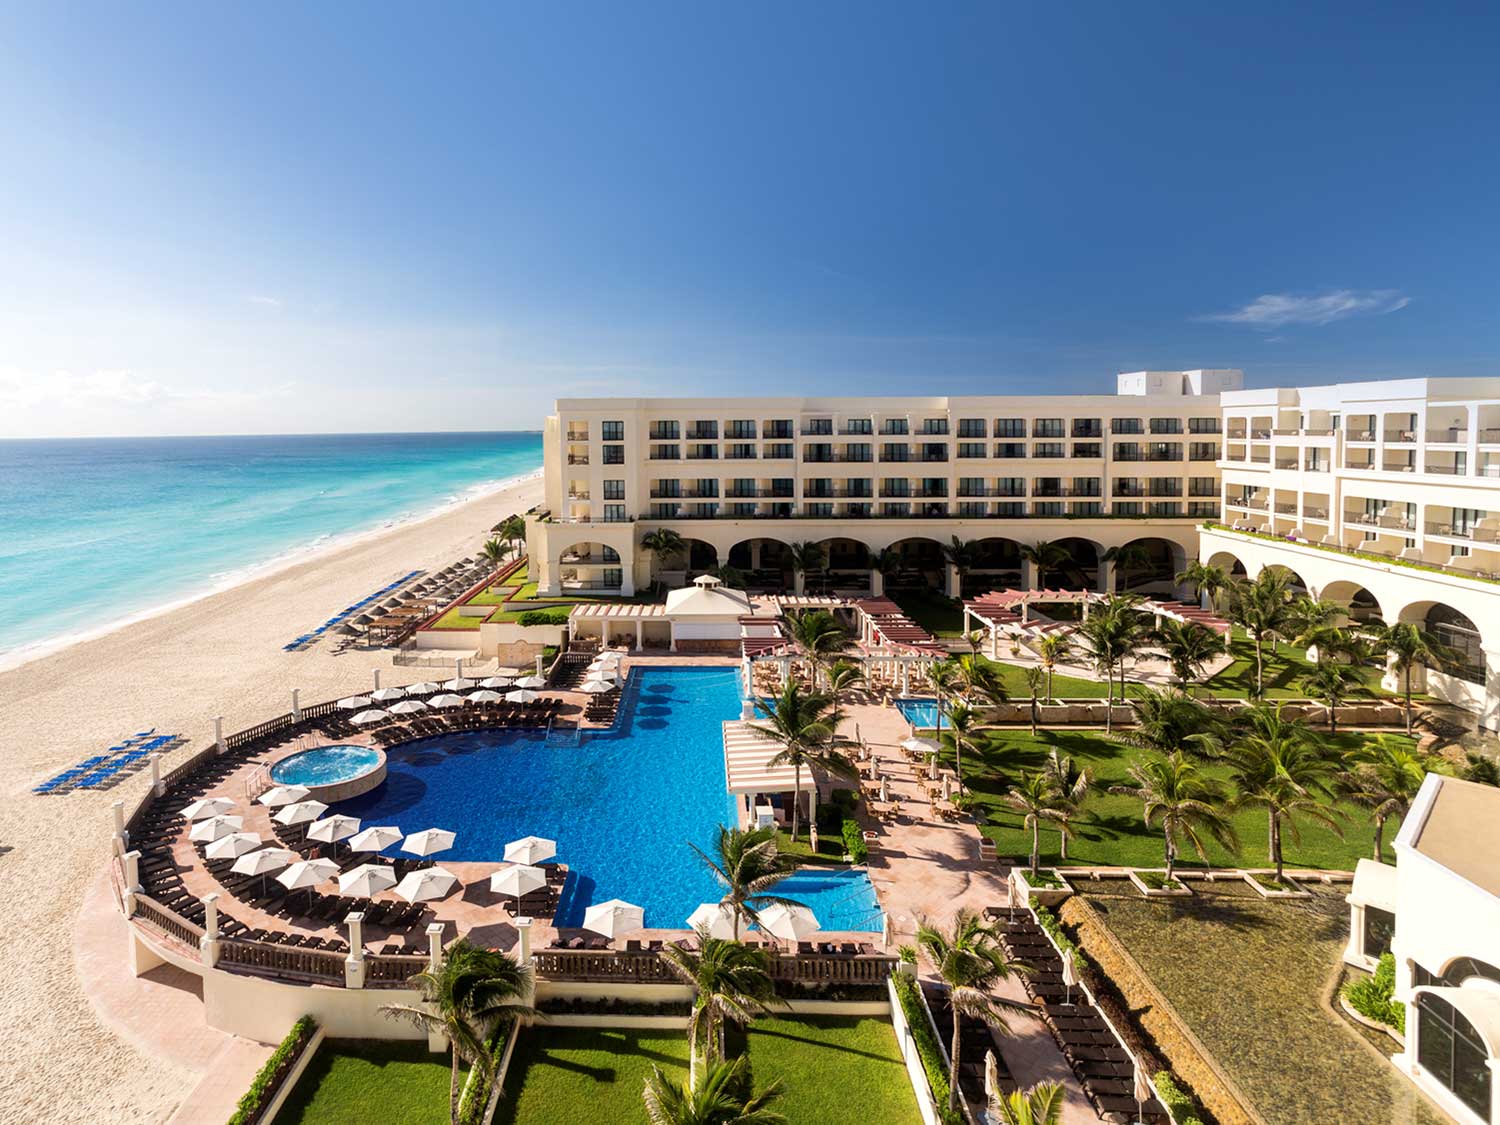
(706, 611)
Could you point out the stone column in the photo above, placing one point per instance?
(540, 670)
(672, 643)
(640, 635)
(877, 583)
(354, 964)
(1028, 574)
(604, 632)
(132, 880)
(755, 554)
(208, 945)
(219, 733)
(799, 581)
(523, 946)
(121, 840)
(950, 580)
(377, 679)
(1106, 582)
(157, 788)
(436, 1040)
(458, 668)
(297, 704)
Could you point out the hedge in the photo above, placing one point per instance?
(854, 841)
(543, 617)
(1176, 1099)
(269, 1077)
(1374, 997)
(927, 1046)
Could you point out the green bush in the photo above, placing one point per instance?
(263, 1088)
(1374, 997)
(1176, 1099)
(927, 1046)
(543, 617)
(854, 841)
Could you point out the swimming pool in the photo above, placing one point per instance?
(920, 712)
(622, 805)
(325, 765)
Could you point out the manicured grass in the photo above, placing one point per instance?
(583, 1074)
(492, 597)
(354, 1080)
(1109, 830)
(1284, 669)
(455, 620)
(1248, 976)
(940, 616)
(834, 1070)
(830, 846)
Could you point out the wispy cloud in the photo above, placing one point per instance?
(1273, 310)
(262, 299)
(116, 389)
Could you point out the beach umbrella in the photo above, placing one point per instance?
(234, 845)
(301, 812)
(495, 682)
(387, 694)
(530, 849)
(375, 839)
(791, 923)
(486, 697)
(614, 917)
(531, 682)
(457, 684)
(519, 880)
(426, 687)
(332, 829)
(426, 885)
(596, 687)
(608, 656)
(367, 879)
(348, 631)
(207, 807)
(520, 696)
(264, 862)
(353, 703)
(448, 699)
(215, 828)
(407, 707)
(885, 793)
(714, 917)
(428, 841)
(921, 746)
(363, 619)
(510, 672)
(279, 795)
(307, 874)
(366, 717)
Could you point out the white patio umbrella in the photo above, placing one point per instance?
(426, 885)
(448, 699)
(614, 917)
(521, 696)
(301, 812)
(215, 828)
(791, 923)
(608, 656)
(307, 874)
(495, 681)
(332, 829)
(530, 849)
(207, 807)
(596, 687)
(388, 694)
(408, 707)
(234, 845)
(366, 717)
(264, 862)
(426, 687)
(921, 746)
(458, 683)
(486, 697)
(367, 879)
(375, 839)
(353, 703)
(428, 841)
(714, 917)
(531, 682)
(519, 880)
(599, 671)
(278, 795)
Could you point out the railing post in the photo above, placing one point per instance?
(157, 788)
(219, 733)
(208, 944)
(377, 679)
(132, 881)
(354, 965)
(523, 946)
(121, 838)
(296, 705)
(436, 1041)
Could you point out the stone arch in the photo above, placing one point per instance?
(1358, 602)
(1231, 564)
(1457, 632)
(1083, 570)
(765, 560)
(590, 565)
(997, 565)
(1165, 559)
(1298, 585)
(920, 563)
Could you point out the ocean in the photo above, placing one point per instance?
(97, 530)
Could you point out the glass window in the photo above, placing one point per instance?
(1010, 449)
(1049, 449)
(664, 431)
(971, 449)
(1166, 425)
(1124, 425)
(614, 513)
(935, 425)
(859, 451)
(615, 489)
(895, 426)
(1458, 635)
(614, 455)
(1047, 427)
(859, 426)
(1380, 927)
(971, 428)
(1452, 1052)
(1010, 427)
(612, 431)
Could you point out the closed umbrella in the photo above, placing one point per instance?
(714, 917)
(367, 879)
(448, 699)
(495, 682)
(353, 703)
(408, 707)
(458, 683)
(426, 885)
(486, 697)
(518, 880)
(215, 828)
(596, 687)
(301, 812)
(207, 807)
(791, 923)
(426, 687)
(428, 841)
(366, 717)
(388, 694)
(332, 829)
(531, 682)
(614, 917)
(234, 845)
(521, 696)
(530, 849)
(279, 795)
(375, 839)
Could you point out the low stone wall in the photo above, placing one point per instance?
(1093, 713)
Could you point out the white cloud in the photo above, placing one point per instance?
(262, 299)
(24, 389)
(1272, 310)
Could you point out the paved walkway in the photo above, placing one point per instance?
(926, 870)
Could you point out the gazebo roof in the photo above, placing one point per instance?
(708, 597)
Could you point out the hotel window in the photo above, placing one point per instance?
(1166, 425)
(784, 486)
(971, 486)
(1317, 461)
(741, 486)
(1203, 508)
(1203, 425)
(894, 426)
(1047, 427)
(612, 579)
(1085, 486)
(614, 513)
(895, 511)
(1125, 508)
(704, 431)
(1126, 451)
(971, 428)
(818, 427)
(935, 425)
(1010, 509)
(780, 428)
(821, 511)
(859, 451)
(1049, 508)
(742, 509)
(782, 511)
(661, 452)
(859, 426)
(934, 486)
(1046, 486)
(742, 429)
(664, 511)
(1049, 449)
(1010, 427)
(1086, 508)
(819, 487)
(1453, 1053)
(1203, 486)
(612, 431)
(1203, 451)
(1128, 486)
(1458, 636)
(1010, 449)
(1087, 449)
(894, 451)
(1380, 927)
(971, 449)
(1010, 486)
(1166, 508)
(706, 487)
(664, 431)
(817, 452)
(859, 486)
(614, 455)
(1165, 451)
(739, 453)
(614, 490)
(857, 511)
(703, 453)
(1088, 427)
(895, 486)
(973, 508)
(778, 452)
(1125, 425)
(1166, 486)
(934, 451)
(665, 489)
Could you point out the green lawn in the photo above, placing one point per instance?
(1109, 830)
(1284, 670)
(583, 1074)
(940, 616)
(491, 597)
(455, 620)
(834, 1070)
(366, 1080)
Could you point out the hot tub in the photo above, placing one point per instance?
(332, 773)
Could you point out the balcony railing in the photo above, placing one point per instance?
(1462, 531)
(1400, 437)
(578, 458)
(1319, 514)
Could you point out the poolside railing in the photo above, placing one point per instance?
(281, 960)
(392, 970)
(168, 921)
(614, 965)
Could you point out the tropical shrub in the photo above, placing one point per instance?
(1374, 996)
(543, 617)
(854, 841)
(263, 1088)
(927, 1045)
(1176, 1099)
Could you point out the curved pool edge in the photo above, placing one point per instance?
(345, 788)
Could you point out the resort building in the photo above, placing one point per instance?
(1438, 912)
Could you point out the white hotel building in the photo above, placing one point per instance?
(1385, 495)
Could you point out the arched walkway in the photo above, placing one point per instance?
(1297, 585)
(1082, 567)
(588, 565)
(1230, 564)
(997, 565)
(1358, 603)
(921, 564)
(765, 562)
(1150, 564)
(1457, 634)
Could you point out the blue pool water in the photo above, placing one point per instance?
(623, 806)
(324, 765)
(920, 712)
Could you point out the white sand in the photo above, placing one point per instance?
(174, 672)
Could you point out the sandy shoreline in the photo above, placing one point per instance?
(174, 670)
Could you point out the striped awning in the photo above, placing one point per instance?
(747, 757)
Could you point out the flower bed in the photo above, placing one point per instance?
(1155, 884)
(1268, 886)
(274, 1073)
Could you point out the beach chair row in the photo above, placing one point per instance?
(96, 771)
(307, 640)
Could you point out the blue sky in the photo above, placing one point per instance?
(289, 217)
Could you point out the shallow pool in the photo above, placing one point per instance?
(623, 806)
(325, 765)
(920, 713)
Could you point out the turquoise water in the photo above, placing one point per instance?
(622, 806)
(920, 713)
(95, 530)
(325, 765)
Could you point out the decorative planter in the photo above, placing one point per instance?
(1181, 890)
(1030, 895)
(1374, 1025)
(1292, 889)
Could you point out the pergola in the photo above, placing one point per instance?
(748, 772)
(633, 617)
(1008, 611)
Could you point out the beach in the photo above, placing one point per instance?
(174, 671)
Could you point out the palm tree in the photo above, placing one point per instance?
(1131, 556)
(1034, 679)
(731, 576)
(748, 863)
(1041, 1104)
(963, 729)
(494, 552)
(960, 555)
(1189, 646)
(807, 557)
(512, 529)
(885, 563)
(1204, 579)
(662, 544)
(731, 983)
(1072, 786)
(1112, 632)
(1048, 558)
(799, 721)
(973, 677)
(1260, 608)
(721, 1097)
(1036, 800)
(1168, 721)
(1175, 795)
(1385, 779)
(818, 636)
(1276, 767)
(1052, 649)
(968, 958)
(1315, 623)
(472, 991)
(1332, 685)
(1408, 645)
(1481, 769)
